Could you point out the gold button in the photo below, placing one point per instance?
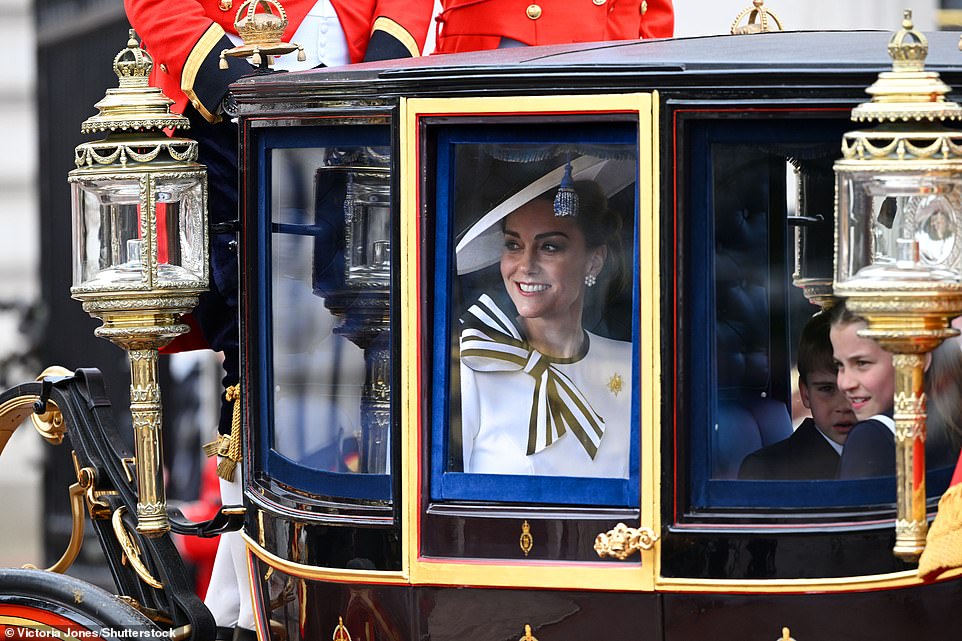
(599, 2)
(644, 7)
(533, 11)
(163, 68)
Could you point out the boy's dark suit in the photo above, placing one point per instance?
(804, 455)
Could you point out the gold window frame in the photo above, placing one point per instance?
(638, 574)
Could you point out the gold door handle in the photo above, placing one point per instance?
(623, 541)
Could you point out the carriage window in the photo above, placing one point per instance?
(768, 421)
(536, 254)
(326, 386)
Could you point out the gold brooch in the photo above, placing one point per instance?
(225, 5)
(615, 384)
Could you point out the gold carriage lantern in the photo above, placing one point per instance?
(898, 253)
(139, 206)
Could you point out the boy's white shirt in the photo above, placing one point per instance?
(835, 446)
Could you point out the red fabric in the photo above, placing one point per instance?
(169, 31)
(957, 476)
(473, 25)
(194, 339)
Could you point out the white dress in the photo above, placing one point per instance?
(496, 407)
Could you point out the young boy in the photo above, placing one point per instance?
(867, 378)
(813, 450)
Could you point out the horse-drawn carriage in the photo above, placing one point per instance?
(378, 507)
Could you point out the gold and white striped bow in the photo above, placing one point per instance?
(490, 342)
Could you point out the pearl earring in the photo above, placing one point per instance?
(590, 280)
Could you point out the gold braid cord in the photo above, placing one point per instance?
(228, 447)
(943, 548)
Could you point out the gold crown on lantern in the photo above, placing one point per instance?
(133, 105)
(132, 64)
(908, 48)
(908, 92)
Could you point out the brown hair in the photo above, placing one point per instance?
(815, 347)
(601, 227)
(943, 389)
(840, 315)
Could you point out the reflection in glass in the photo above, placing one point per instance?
(330, 308)
(908, 234)
(180, 246)
(936, 235)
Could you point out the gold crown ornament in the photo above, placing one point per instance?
(760, 19)
(133, 105)
(261, 25)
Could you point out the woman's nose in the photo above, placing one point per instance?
(529, 262)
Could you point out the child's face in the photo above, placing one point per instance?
(865, 372)
(830, 409)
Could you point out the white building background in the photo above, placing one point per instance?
(20, 527)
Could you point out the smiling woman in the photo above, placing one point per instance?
(544, 390)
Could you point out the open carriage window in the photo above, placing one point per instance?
(535, 313)
(323, 331)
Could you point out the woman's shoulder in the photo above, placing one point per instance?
(614, 343)
(602, 345)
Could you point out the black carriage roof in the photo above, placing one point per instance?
(767, 58)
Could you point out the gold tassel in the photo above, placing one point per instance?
(211, 448)
(228, 447)
(943, 546)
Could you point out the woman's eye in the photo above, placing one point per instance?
(511, 245)
(550, 248)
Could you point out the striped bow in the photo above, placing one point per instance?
(490, 342)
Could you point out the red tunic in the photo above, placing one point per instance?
(185, 39)
(473, 25)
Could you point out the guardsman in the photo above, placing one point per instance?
(472, 25)
(185, 40)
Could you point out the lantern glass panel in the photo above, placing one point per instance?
(108, 232)
(899, 225)
(180, 234)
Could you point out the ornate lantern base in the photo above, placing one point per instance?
(909, 326)
(141, 325)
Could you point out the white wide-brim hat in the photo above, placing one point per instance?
(481, 244)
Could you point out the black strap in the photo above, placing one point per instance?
(229, 518)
